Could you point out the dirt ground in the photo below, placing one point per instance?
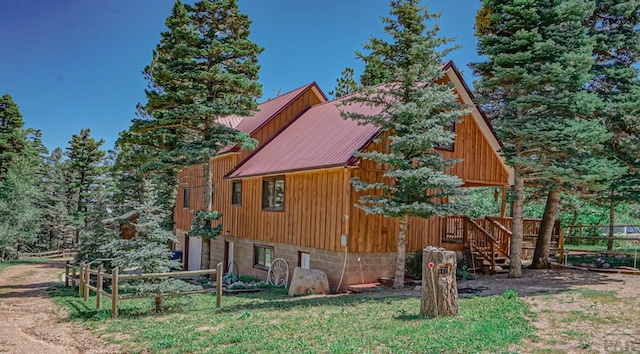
(30, 322)
(574, 311)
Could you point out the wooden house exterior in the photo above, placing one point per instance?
(293, 198)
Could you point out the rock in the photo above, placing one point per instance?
(418, 288)
(606, 266)
(308, 281)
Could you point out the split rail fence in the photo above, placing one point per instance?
(82, 275)
(48, 254)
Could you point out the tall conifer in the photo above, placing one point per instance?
(416, 110)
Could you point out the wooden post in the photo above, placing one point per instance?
(87, 282)
(219, 285)
(81, 280)
(66, 274)
(73, 277)
(114, 293)
(465, 232)
(99, 287)
(503, 205)
(493, 258)
(561, 246)
(439, 287)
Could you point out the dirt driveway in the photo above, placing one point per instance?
(30, 322)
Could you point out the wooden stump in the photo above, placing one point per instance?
(439, 287)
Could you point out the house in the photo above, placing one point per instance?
(291, 198)
(125, 222)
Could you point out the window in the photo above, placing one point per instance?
(449, 147)
(273, 194)
(262, 256)
(236, 194)
(185, 197)
(303, 260)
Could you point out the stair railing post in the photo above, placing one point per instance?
(465, 232)
(493, 256)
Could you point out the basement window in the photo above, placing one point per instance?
(262, 257)
(304, 259)
(273, 194)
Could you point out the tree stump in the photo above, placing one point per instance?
(439, 287)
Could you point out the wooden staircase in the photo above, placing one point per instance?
(487, 240)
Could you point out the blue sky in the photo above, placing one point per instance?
(73, 64)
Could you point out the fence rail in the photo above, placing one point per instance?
(48, 254)
(83, 274)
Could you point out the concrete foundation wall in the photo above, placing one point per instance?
(370, 267)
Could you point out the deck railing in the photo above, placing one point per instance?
(478, 240)
(501, 234)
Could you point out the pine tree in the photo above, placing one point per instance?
(614, 26)
(20, 216)
(148, 251)
(57, 228)
(539, 58)
(345, 84)
(85, 159)
(416, 109)
(12, 135)
(204, 68)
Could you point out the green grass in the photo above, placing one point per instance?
(271, 322)
(8, 264)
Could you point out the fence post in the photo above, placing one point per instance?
(219, 285)
(87, 282)
(66, 274)
(561, 246)
(114, 293)
(81, 280)
(73, 277)
(99, 288)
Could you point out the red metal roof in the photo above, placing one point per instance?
(269, 109)
(318, 138)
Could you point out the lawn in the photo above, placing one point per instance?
(10, 263)
(272, 322)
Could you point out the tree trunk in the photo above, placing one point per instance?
(612, 217)
(541, 254)
(439, 287)
(515, 264)
(398, 282)
(207, 204)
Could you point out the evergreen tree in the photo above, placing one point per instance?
(12, 135)
(148, 251)
(57, 228)
(19, 196)
(204, 68)
(85, 159)
(345, 84)
(614, 26)
(415, 112)
(539, 58)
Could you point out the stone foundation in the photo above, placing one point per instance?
(370, 267)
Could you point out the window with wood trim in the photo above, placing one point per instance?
(236, 193)
(448, 147)
(273, 194)
(262, 256)
(304, 259)
(185, 197)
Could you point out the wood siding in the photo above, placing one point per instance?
(480, 165)
(313, 207)
(307, 99)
